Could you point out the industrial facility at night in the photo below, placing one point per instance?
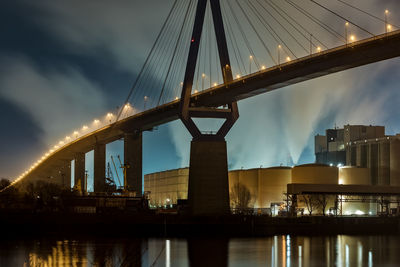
(356, 155)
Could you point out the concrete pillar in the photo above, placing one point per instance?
(99, 167)
(80, 171)
(208, 178)
(66, 175)
(133, 143)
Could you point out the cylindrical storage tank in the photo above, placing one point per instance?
(272, 183)
(354, 175)
(249, 180)
(314, 174)
(350, 175)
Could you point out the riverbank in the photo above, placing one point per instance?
(172, 225)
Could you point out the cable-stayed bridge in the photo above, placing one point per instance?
(207, 56)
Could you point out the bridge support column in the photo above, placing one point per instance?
(80, 181)
(133, 143)
(208, 178)
(99, 167)
(66, 175)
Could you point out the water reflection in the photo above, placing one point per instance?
(285, 250)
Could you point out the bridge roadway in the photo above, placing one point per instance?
(330, 61)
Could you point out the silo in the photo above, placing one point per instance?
(272, 183)
(248, 179)
(355, 176)
(314, 174)
(395, 161)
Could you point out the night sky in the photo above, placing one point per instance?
(64, 63)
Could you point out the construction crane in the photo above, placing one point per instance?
(110, 183)
(124, 167)
(116, 171)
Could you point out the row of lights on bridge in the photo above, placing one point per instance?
(109, 118)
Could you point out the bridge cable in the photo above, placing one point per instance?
(150, 74)
(276, 36)
(280, 24)
(148, 57)
(153, 70)
(164, 74)
(234, 44)
(317, 21)
(343, 18)
(279, 10)
(182, 58)
(365, 12)
(169, 79)
(242, 32)
(251, 24)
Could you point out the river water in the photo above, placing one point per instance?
(338, 250)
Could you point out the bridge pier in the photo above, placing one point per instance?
(65, 174)
(133, 146)
(99, 168)
(208, 192)
(80, 174)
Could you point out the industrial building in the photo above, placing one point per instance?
(364, 147)
(331, 147)
(267, 188)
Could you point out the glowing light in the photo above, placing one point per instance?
(195, 91)
(61, 142)
(203, 75)
(359, 212)
(96, 121)
(56, 147)
(279, 46)
(145, 98)
(386, 11)
(238, 76)
(288, 59)
(181, 83)
(215, 84)
(176, 98)
(347, 24)
(352, 38)
(340, 181)
(389, 27)
(51, 150)
(47, 154)
(109, 115)
(263, 67)
(84, 128)
(67, 138)
(251, 57)
(318, 49)
(127, 106)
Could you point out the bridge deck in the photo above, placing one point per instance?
(341, 58)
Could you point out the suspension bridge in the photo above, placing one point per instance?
(207, 56)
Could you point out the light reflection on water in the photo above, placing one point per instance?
(286, 251)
